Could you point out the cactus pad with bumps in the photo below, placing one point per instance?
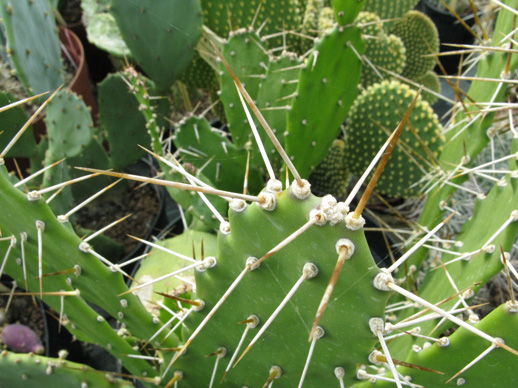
(374, 115)
(253, 232)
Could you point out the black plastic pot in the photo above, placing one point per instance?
(450, 31)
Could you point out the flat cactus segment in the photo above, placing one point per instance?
(420, 37)
(430, 81)
(160, 262)
(374, 115)
(33, 224)
(224, 16)
(161, 35)
(385, 52)
(497, 369)
(332, 176)
(19, 370)
(347, 10)
(12, 120)
(389, 9)
(216, 154)
(347, 339)
(72, 135)
(32, 44)
(326, 90)
(273, 100)
(247, 56)
(123, 122)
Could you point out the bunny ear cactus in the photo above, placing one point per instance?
(378, 109)
(33, 48)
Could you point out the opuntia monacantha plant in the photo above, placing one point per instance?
(291, 295)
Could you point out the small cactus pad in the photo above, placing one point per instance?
(160, 34)
(420, 37)
(325, 92)
(374, 115)
(347, 337)
(389, 9)
(247, 56)
(347, 10)
(32, 44)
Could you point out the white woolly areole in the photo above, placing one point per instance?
(224, 227)
(318, 216)
(33, 195)
(301, 192)
(267, 201)
(347, 245)
(376, 325)
(274, 186)
(354, 223)
(381, 280)
(237, 205)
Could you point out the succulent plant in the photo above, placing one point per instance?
(291, 295)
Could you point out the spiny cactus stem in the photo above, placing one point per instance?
(261, 119)
(390, 147)
(32, 176)
(20, 102)
(477, 359)
(309, 271)
(377, 327)
(492, 163)
(220, 353)
(64, 217)
(430, 234)
(84, 247)
(102, 230)
(507, 274)
(258, 140)
(497, 342)
(27, 123)
(345, 250)
(318, 333)
(37, 193)
(178, 185)
(197, 264)
(251, 323)
(12, 244)
(250, 266)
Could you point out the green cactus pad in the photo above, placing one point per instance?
(125, 126)
(369, 24)
(347, 10)
(12, 121)
(72, 136)
(160, 262)
(374, 115)
(276, 90)
(161, 35)
(220, 159)
(420, 37)
(332, 176)
(495, 370)
(325, 92)
(387, 52)
(32, 44)
(347, 337)
(389, 9)
(224, 16)
(18, 370)
(431, 81)
(247, 56)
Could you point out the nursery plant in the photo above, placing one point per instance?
(290, 295)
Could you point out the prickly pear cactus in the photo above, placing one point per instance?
(160, 35)
(304, 268)
(32, 44)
